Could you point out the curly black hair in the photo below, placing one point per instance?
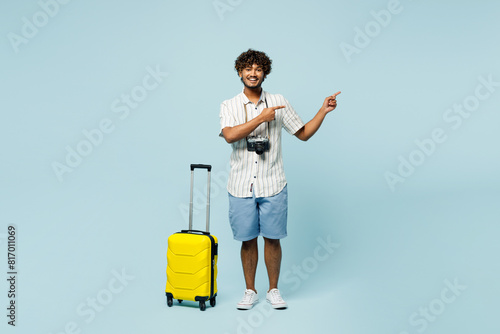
(251, 57)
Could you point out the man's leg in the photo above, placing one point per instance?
(272, 218)
(249, 258)
(244, 220)
(272, 257)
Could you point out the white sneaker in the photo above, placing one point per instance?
(274, 298)
(249, 300)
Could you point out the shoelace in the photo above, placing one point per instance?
(275, 295)
(247, 297)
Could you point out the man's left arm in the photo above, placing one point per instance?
(310, 128)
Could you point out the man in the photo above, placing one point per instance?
(258, 200)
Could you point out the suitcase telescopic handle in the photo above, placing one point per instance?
(194, 166)
(209, 169)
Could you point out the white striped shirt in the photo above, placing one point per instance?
(262, 175)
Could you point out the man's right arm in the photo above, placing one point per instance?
(236, 133)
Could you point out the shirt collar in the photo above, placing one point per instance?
(246, 101)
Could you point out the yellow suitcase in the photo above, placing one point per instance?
(192, 259)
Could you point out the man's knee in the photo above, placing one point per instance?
(249, 244)
(272, 242)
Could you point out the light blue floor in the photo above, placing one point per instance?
(403, 266)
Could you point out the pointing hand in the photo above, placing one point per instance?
(330, 103)
(268, 114)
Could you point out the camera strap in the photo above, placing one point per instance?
(246, 117)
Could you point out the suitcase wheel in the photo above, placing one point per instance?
(170, 301)
(202, 305)
(212, 301)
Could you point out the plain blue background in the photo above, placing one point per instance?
(395, 249)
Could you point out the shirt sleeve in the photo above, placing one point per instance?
(226, 118)
(291, 121)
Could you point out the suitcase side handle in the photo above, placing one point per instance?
(201, 166)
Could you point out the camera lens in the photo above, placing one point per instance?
(259, 148)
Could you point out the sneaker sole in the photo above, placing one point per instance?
(279, 306)
(246, 307)
(249, 307)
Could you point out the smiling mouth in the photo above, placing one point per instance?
(253, 80)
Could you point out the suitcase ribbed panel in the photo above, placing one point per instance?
(189, 261)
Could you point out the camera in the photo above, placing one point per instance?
(258, 144)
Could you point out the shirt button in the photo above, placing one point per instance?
(255, 177)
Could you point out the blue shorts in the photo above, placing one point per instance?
(266, 216)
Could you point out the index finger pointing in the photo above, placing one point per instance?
(278, 107)
(335, 95)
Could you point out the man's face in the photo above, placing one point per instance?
(252, 76)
